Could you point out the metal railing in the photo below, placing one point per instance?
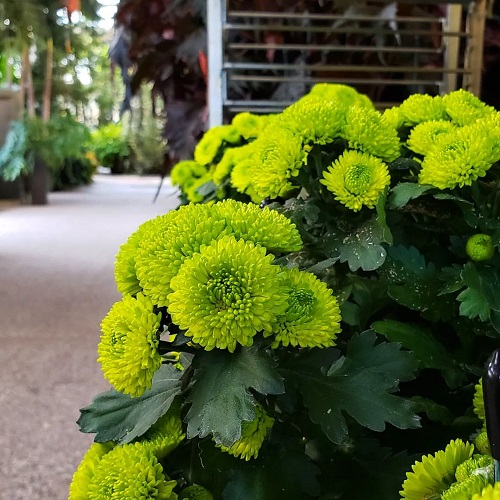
(434, 54)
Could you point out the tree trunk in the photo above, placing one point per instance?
(47, 93)
(30, 90)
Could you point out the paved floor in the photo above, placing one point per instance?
(56, 284)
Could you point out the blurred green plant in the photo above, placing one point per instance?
(110, 146)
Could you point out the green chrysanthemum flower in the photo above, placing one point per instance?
(367, 131)
(316, 120)
(165, 435)
(459, 159)
(491, 492)
(130, 471)
(488, 126)
(419, 108)
(207, 149)
(424, 136)
(244, 166)
(79, 487)
(479, 247)
(185, 171)
(313, 315)
(226, 294)
(125, 273)
(343, 94)
(465, 108)
(435, 473)
(195, 492)
(181, 233)
(393, 117)
(278, 156)
(249, 125)
(128, 350)
(357, 179)
(264, 227)
(176, 236)
(465, 489)
(482, 443)
(252, 436)
(478, 465)
(224, 167)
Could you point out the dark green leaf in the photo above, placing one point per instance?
(114, 416)
(359, 384)
(382, 218)
(429, 351)
(220, 394)
(435, 412)
(473, 300)
(404, 163)
(321, 266)
(362, 247)
(467, 207)
(402, 193)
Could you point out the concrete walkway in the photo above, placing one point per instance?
(56, 284)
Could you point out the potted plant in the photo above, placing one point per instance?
(315, 321)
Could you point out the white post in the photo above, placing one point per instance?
(452, 47)
(215, 60)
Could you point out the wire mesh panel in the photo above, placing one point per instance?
(264, 55)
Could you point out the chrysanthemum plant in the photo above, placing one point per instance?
(315, 317)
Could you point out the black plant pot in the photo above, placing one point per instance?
(40, 183)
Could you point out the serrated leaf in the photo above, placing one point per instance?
(473, 300)
(427, 349)
(403, 192)
(360, 384)
(114, 416)
(362, 247)
(220, 397)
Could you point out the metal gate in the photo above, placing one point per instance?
(378, 50)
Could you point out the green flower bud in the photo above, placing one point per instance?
(479, 247)
(195, 492)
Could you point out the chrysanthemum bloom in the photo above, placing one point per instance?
(343, 94)
(419, 108)
(249, 125)
(130, 471)
(278, 156)
(477, 465)
(165, 435)
(464, 107)
(393, 117)
(252, 436)
(315, 119)
(180, 233)
(435, 473)
(161, 253)
(264, 227)
(125, 273)
(465, 489)
(312, 318)
(224, 167)
(128, 350)
(482, 442)
(226, 294)
(78, 489)
(367, 131)
(207, 149)
(356, 179)
(459, 159)
(195, 492)
(242, 173)
(424, 137)
(185, 171)
(491, 492)
(488, 126)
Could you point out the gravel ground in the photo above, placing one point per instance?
(56, 284)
